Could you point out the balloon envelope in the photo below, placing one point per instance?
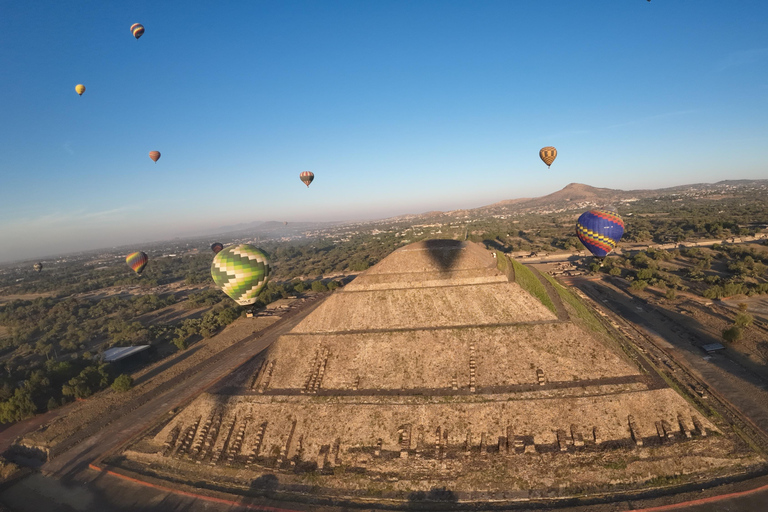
(600, 231)
(137, 29)
(155, 156)
(548, 155)
(137, 261)
(241, 271)
(306, 177)
(37, 266)
(80, 89)
(216, 247)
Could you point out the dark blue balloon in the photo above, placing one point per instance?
(599, 231)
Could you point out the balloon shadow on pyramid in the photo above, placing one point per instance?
(444, 253)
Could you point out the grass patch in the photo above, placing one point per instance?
(617, 465)
(530, 283)
(582, 311)
(504, 266)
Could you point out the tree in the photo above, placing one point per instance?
(638, 284)
(181, 343)
(90, 380)
(743, 319)
(645, 273)
(333, 285)
(732, 334)
(122, 383)
(671, 294)
(18, 407)
(318, 286)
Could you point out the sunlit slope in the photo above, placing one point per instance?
(437, 283)
(425, 358)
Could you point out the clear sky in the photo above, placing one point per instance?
(396, 106)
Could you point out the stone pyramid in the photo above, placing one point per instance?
(436, 370)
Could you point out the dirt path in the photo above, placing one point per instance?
(747, 392)
(111, 431)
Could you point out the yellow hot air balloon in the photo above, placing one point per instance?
(80, 89)
(548, 155)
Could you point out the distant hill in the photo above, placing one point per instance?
(577, 196)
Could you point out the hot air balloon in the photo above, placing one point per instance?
(137, 261)
(216, 247)
(241, 271)
(548, 155)
(137, 29)
(38, 266)
(155, 156)
(306, 177)
(80, 89)
(600, 231)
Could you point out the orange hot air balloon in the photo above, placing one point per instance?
(154, 155)
(548, 155)
(80, 89)
(137, 29)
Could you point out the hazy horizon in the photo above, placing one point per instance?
(397, 107)
(225, 229)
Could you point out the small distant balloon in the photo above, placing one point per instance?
(548, 155)
(155, 156)
(216, 247)
(137, 29)
(285, 223)
(80, 89)
(137, 261)
(307, 177)
(37, 266)
(600, 231)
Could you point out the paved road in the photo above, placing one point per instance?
(90, 491)
(132, 423)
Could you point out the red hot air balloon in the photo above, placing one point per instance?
(137, 29)
(154, 155)
(306, 177)
(216, 247)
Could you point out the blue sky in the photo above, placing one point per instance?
(396, 106)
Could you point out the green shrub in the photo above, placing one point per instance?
(318, 286)
(732, 334)
(645, 273)
(123, 383)
(743, 319)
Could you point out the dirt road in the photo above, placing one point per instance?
(680, 338)
(129, 421)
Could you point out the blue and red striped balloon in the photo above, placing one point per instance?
(600, 231)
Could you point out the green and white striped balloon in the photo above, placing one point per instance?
(241, 271)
